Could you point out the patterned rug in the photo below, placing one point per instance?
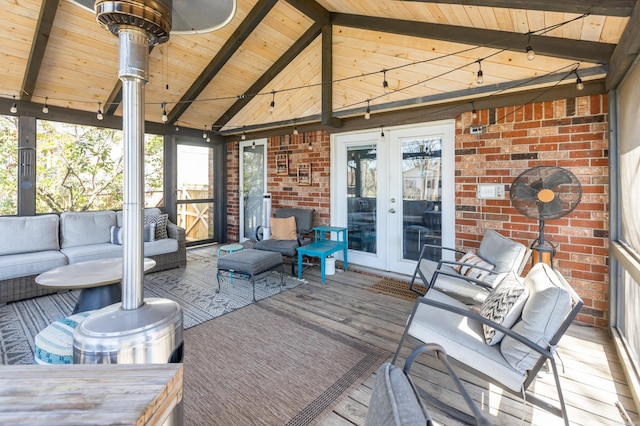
(397, 288)
(193, 287)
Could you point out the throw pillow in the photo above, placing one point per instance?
(148, 233)
(284, 228)
(473, 259)
(161, 224)
(503, 306)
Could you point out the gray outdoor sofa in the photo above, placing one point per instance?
(31, 245)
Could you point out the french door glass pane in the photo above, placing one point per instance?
(253, 191)
(362, 193)
(422, 196)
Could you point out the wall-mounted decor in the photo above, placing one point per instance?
(282, 164)
(304, 174)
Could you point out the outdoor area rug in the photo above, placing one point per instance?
(261, 365)
(397, 288)
(193, 287)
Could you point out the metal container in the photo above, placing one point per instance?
(151, 334)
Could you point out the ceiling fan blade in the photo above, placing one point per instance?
(556, 178)
(551, 210)
(524, 192)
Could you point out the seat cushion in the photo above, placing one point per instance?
(92, 252)
(250, 261)
(462, 339)
(394, 400)
(166, 245)
(546, 308)
(26, 264)
(284, 247)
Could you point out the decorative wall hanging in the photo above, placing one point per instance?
(304, 174)
(282, 164)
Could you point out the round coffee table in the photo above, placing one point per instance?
(100, 281)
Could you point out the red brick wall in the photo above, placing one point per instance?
(312, 147)
(570, 133)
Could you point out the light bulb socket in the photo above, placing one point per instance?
(480, 77)
(295, 130)
(14, 108)
(579, 84)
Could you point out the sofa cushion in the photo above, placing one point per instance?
(85, 228)
(462, 339)
(160, 221)
(92, 252)
(283, 228)
(26, 264)
(501, 251)
(26, 234)
(395, 400)
(547, 306)
(503, 306)
(166, 245)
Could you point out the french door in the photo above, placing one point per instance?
(253, 185)
(394, 191)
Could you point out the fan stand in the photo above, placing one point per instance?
(543, 250)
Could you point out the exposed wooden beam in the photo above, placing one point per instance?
(312, 9)
(327, 76)
(597, 7)
(544, 45)
(253, 19)
(38, 47)
(305, 40)
(626, 52)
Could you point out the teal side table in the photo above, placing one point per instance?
(322, 247)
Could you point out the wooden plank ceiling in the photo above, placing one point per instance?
(318, 61)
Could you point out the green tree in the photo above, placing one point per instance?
(8, 165)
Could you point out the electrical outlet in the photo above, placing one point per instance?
(474, 130)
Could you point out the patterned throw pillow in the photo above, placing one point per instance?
(503, 306)
(473, 259)
(161, 224)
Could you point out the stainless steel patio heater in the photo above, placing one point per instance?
(138, 330)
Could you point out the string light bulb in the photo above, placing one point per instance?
(243, 136)
(480, 75)
(177, 127)
(474, 114)
(165, 118)
(204, 134)
(99, 114)
(310, 145)
(272, 105)
(14, 107)
(531, 55)
(295, 130)
(45, 108)
(367, 113)
(579, 83)
(253, 145)
(385, 83)
(382, 134)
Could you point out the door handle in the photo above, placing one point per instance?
(392, 210)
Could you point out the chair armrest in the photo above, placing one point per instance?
(477, 317)
(427, 246)
(176, 232)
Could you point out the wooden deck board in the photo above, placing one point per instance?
(592, 382)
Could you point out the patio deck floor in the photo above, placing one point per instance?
(593, 382)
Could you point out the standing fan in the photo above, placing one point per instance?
(545, 193)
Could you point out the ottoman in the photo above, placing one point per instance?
(54, 344)
(250, 263)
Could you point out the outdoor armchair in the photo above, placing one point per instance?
(290, 228)
(469, 276)
(509, 340)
